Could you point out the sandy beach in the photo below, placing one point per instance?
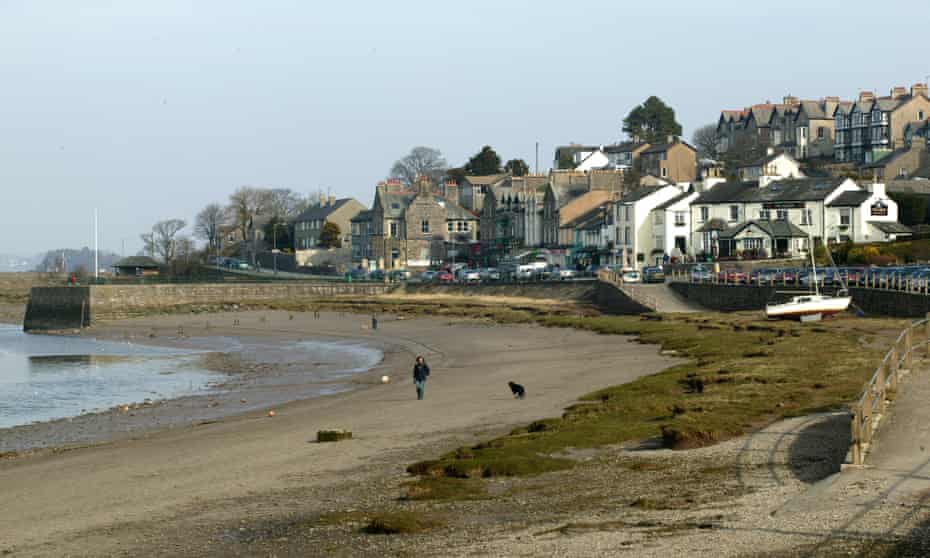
(108, 498)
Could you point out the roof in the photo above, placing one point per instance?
(890, 157)
(137, 261)
(565, 193)
(486, 180)
(780, 228)
(851, 198)
(891, 227)
(395, 204)
(590, 220)
(660, 147)
(764, 160)
(789, 190)
(673, 201)
(640, 193)
(321, 211)
(918, 187)
(624, 147)
(361, 216)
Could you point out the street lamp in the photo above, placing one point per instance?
(274, 248)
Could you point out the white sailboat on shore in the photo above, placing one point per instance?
(809, 307)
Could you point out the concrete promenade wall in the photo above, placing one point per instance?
(54, 308)
(734, 298)
(72, 307)
(583, 291)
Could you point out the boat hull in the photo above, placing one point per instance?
(796, 310)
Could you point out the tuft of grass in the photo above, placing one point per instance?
(444, 488)
(400, 523)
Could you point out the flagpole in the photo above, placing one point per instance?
(96, 252)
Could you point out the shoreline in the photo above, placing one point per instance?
(254, 384)
(197, 472)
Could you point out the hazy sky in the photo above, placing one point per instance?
(152, 109)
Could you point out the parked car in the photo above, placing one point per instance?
(399, 275)
(428, 275)
(470, 276)
(359, 274)
(733, 276)
(444, 277)
(700, 273)
(653, 274)
(567, 273)
(631, 276)
(490, 274)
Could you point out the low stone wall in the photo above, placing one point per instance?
(582, 291)
(734, 298)
(611, 300)
(56, 308)
(73, 307)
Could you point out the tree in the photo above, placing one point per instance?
(208, 223)
(330, 236)
(652, 122)
(244, 204)
(421, 161)
(517, 167)
(705, 141)
(161, 241)
(483, 163)
(277, 233)
(282, 202)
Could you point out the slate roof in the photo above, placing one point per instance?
(850, 198)
(790, 190)
(918, 187)
(763, 160)
(886, 159)
(362, 216)
(321, 211)
(137, 261)
(624, 147)
(660, 147)
(776, 229)
(567, 192)
(402, 201)
(640, 193)
(673, 201)
(891, 227)
(590, 220)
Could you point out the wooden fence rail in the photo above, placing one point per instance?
(868, 410)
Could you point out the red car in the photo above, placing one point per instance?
(732, 276)
(444, 277)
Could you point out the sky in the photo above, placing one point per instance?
(151, 109)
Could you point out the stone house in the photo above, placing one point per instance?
(361, 240)
(675, 161)
(474, 188)
(511, 215)
(900, 164)
(874, 126)
(418, 229)
(308, 226)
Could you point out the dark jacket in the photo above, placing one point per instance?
(420, 371)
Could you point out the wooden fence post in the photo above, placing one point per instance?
(856, 431)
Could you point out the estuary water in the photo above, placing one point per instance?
(48, 377)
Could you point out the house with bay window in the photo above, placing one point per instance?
(740, 219)
(871, 128)
(640, 230)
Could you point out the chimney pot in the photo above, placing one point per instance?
(919, 89)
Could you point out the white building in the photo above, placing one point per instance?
(778, 218)
(772, 167)
(636, 228)
(672, 225)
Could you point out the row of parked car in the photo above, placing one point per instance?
(464, 274)
(885, 277)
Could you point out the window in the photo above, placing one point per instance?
(807, 217)
(734, 213)
(679, 218)
(845, 216)
(393, 228)
(705, 213)
(820, 132)
(765, 214)
(902, 172)
(627, 212)
(626, 235)
(920, 115)
(664, 172)
(463, 226)
(752, 244)
(424, 225)
(781, 214)
(450, 226)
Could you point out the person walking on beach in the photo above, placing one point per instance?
(420, 373)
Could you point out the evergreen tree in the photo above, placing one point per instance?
(483, 163)
(653, 121)
(330, 236)
(517, 167)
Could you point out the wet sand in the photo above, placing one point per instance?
(66, 500)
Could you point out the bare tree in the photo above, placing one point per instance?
(148, 244)
(421, 161)
(163, 241)
(208, 223)
(244, 204)
(283, 203)
(705, 141)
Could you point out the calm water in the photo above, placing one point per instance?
(51, 377)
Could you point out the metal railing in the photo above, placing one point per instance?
(868, 409)
(868, 281)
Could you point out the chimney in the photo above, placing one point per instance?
(831, 99)
(322, 199)
(423, 186)
(670, 139)
(919, 89)
(393, 186)
(791, 101)
(331, 201)
(898, 92)
(450, 191)
(866, 96)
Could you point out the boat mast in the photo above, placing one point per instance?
(813, 262)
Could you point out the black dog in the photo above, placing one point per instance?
(517, 390)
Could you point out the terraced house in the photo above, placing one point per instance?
(874, 127)
(747, 219)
